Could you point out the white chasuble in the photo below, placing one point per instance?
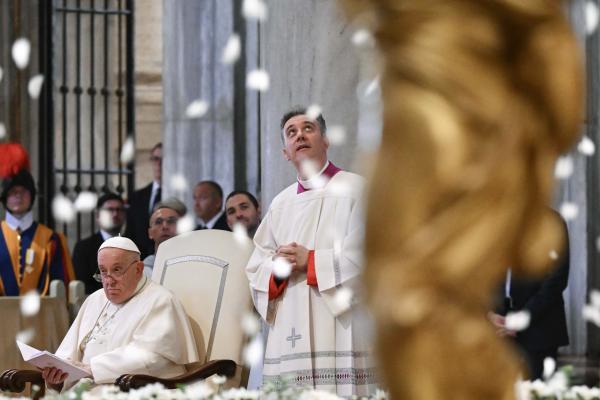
(313, 339)
(149, 334)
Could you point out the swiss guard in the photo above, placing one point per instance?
(31, 254)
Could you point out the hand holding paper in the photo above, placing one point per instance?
(45, 359)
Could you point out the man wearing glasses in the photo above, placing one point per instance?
(142, 202)
(132, 326)
(110, 215)
(163, 226)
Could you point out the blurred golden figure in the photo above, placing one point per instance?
(480, 97)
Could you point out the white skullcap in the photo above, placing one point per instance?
(120, 242)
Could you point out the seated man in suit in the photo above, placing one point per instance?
(132, 326)
(31, 254)
(85, 251)
(163, 226)
(241, 207)
(208, 206)
(141, 203)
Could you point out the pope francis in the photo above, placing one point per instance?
(130, 326)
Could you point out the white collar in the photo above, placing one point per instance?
(24, 222)
(309, 182)
(213, 220)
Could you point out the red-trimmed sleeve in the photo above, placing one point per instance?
(275, 289)
(311, 275)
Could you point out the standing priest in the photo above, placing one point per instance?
(316, 226)
(131, 326)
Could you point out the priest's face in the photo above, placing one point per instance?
(121, 270)
(303, 141)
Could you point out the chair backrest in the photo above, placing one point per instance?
(206, 271)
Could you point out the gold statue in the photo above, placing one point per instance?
(480, 97)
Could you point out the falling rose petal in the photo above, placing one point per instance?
(281, 268)
(250, 324)
(517, 321)
(549, 367)
(231, 52)
(240, 234)
(26, 336)
(258, 79)
(564, 167)
(336, 135)
(591, 17)
(86, 201)
(372, 87)
(63, 209)
(595, 298)
(218, 380)
(187, 223)
(178, 182)
(253, 352)
(363, 38)
(2, 131)
(30, 303)
(313, 111)
(343, 298)
(591, 314)
(34, 87)
(20, 52)
(310, 170)
(105, 220)
(196, 109)
(128, 151)
(553, 255)
(569, 210)
(255, 9)
(586, 146)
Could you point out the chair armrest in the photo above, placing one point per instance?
(220, 367)
(14, 380)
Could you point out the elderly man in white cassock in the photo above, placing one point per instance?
(315, 225)
(130, 326)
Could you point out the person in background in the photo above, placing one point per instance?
(85, 258)
(142, 202)
(242, 207)
(208, 206)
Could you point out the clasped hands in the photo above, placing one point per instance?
(295, 254)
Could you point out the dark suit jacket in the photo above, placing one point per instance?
(138, 220)
(85, 261)
(543, 299)
(221, 224)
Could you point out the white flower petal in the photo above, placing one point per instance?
(343, 298)
(564, 167)
(250, 324)
(253, 352)
(591, 17)
(258, 79)
(105, 220)
(187, 223)
(336, 135)
(63, 209)
(549, 367)
(517, 321)
(231, 52)
(196, 109)
(1, 74)
(586, 146)
(310, 170)
(553, 255)
(86, 201)
(240, 234)
(591, 314)
(21, 50)
(218, 379)
(128, 151)
(569, 210)
(255, 9)
(30, 303)
(2, 131)
(178, 182)
(313, 111)
(34, 87)
(363, 38)
(281, 268)
(26, 336)
(595, 298)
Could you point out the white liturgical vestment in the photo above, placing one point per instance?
(149, 334)
(314, 339)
